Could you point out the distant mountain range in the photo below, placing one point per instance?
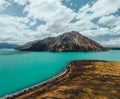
(67, 42)
(114, 48)
(7, 45)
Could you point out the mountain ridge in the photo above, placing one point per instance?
(68, 42)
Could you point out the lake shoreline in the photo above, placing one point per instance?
(44, 87)
(34, 87)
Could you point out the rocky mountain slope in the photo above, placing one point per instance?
(67, 42)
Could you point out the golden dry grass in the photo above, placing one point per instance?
(84, 80)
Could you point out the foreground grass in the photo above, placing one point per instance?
(83, 80)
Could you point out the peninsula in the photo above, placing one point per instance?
(89, 79)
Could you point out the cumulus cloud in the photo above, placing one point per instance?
(21, 2)
(97, 32)
(58, 19)
(105, 7)
(3, 5)
(111, 20)
(113, 42)
(104, 10)
(49, 11)
(14, 29)
(53, 12)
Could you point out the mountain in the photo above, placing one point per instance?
(114, 48)
(67, 42)
(7, 45)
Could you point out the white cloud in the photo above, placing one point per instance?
(98, 9)
(48, 10)
(116, 29)
(113, 42)
(21, 2)
(110, 20)
(104, 7)
(18, 22)
(32, 23)
(3, 4)
(58, 19)
(53, 12)
(98, 32)
(15, 29)
(113, 22)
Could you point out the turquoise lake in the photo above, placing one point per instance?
(19, 70)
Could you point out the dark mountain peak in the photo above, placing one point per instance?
(73, 36)
(69, 41)
(71, 33)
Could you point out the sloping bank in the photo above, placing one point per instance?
(80, 80)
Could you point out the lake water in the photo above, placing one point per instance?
(19, 70)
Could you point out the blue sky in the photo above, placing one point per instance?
(22, 21)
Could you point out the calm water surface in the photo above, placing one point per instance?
(19, 70)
